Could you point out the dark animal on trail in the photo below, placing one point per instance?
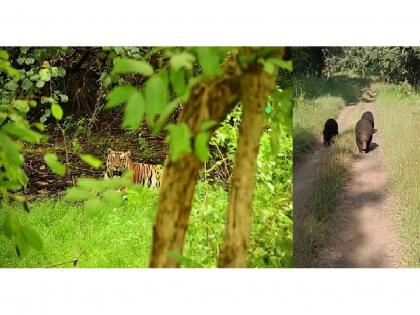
(330, 131)
(369, 116)
(364, 132)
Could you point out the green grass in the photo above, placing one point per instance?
(315, 101)
(324, 199)
(399, 115)
(116, 238)
(122, 236)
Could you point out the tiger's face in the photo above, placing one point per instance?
(117, 162)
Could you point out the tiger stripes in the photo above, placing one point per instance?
(119, 162)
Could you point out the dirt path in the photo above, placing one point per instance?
(363, 232)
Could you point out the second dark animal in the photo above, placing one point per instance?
(364, 132)
(369, 116)
(330, 131)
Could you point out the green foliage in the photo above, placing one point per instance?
(98, 195)
(54, 164)
(91, 160)
(56, 111)
(209, 58)
(21, 235)
(179, 140)
(392, 64)
(201, 146)
(134, 111)
(124, 65)
(119, 95)
(156, 95)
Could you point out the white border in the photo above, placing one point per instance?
(215, 22)
(210, 291)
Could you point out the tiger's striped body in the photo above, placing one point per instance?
(119, 162)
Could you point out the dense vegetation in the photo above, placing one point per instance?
(55, 129)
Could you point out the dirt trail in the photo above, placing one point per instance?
(305, 173)
(363, 231)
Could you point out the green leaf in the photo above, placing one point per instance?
(134, 111)
(284, 64)
(126, 65)
(112, 198)
(52, 161)
(201, 146)
(40, 84)
(45, 74)
(209, 59)
(11, 224)
(54, 72)
(39, 126)
(156, 96)
(164, 115)
(61, 72)
(12, 159)
(56, 111)
(269, 67)
(178, 81)
(91, 160)
(34, 77)
(94, 206)
(31, 237)
(21, 105)
(64, 98)
(11, 86)
(92, 184)
(119, 95)
(77, 194)
(179, 140)
(27, 84)
(208, 124)
(22, 131)
(29, 60)
(182, 60)
(45, 99)
(4, 55)
(21, 243)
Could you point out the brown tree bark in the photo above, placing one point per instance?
(256, 87)
(212, 100)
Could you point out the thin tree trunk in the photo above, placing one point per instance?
(211, 101)
(255, 89)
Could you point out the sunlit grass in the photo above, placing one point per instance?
(121, 237)
(399, 115)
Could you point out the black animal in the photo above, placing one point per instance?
(364, 132)
(330, 131)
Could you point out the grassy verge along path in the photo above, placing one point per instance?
(399, 114)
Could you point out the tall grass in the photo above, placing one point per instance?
(398, 108)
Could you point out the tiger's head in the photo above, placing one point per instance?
(117, 162)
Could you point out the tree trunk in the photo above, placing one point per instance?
(210, 101)
(255, 89)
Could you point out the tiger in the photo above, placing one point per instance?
(118, 162)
